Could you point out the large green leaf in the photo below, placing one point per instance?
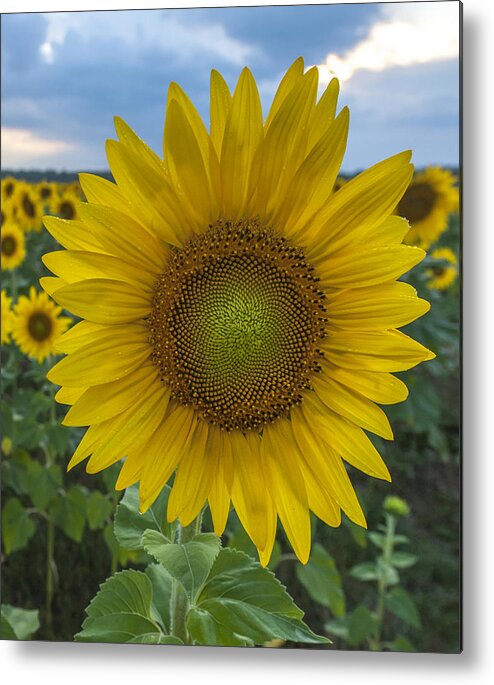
(123, 611)
(69, 512)
(130, 524)
(24, 622)
(399, 603)
(189, 563)
(161, 581)
(322, 581)
(361, 624)
(242, 603)
(17, 526)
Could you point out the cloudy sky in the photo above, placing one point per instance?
(66, 74)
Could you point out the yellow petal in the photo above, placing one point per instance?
(164, 452)
(104, 301)
(384, 306)
(100, 191)
(287, 83)
(250, 494)
(73, 235)
(324, 113)
(377, 386)
(69, 395)
(359, 268)
(243, 134)
(101, 402)
(375, 351)
(112, 353)
(352, 406)
(280, 458)
(220, 102)
(362, 203)
(326, 464)
(194, 477)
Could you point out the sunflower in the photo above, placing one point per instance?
(442, 274)
(7, 317)
(9, 184)
(38, 324)
(29, 208)
(239, 317)
(47, 192)
(65, 206)
(427, 204)
(13, 246)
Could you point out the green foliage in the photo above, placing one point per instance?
(18, 624)
(322, 581)
(189, 563)
(69, 512)
(123, 611)
(243, 604)
(17, 526)
(130, 524)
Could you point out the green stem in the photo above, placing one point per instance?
(179, 603)
(50, 562)
(382, 581)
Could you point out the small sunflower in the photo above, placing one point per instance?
(8, 317)
(444, 273)
(65, 206)
(239, 317)
(38, 325)
(13, 246)
(427, 204)
(9, 184)
(29, 208)
(47, 193)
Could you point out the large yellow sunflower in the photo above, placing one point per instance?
(427, 204)
(8, 317)
(444, 272)
(239, 317)
(13, 246)
(38, 324)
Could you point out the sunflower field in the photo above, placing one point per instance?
(88, 556)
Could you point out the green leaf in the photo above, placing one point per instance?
(242, 603)
(24, 622)
(15, 472)
(322, 581)
(98, 508)
(400, 644)
(17, 526)
(389, 573)
(6, 630)
(69, 512)
(399, 603)
(377, 539)
(403, 559)
(130, 524)
(122, 611)
(361, 625)
(242, 542)
(43, 483)
(189, 563)
(338, 627)
(161, 581)
(366, 571)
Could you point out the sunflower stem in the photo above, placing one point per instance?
(382, 582)
(179, 602)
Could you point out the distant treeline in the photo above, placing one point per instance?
(35, 176)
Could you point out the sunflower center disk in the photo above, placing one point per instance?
(417, 203)
(236, 320)
(40, 326)
(9, 246)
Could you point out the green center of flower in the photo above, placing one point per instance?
(235, 325)
(417, 203)
(40, 326)
(9, 245)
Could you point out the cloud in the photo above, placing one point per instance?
(407, 34)
(153, 29)
(21, 146)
